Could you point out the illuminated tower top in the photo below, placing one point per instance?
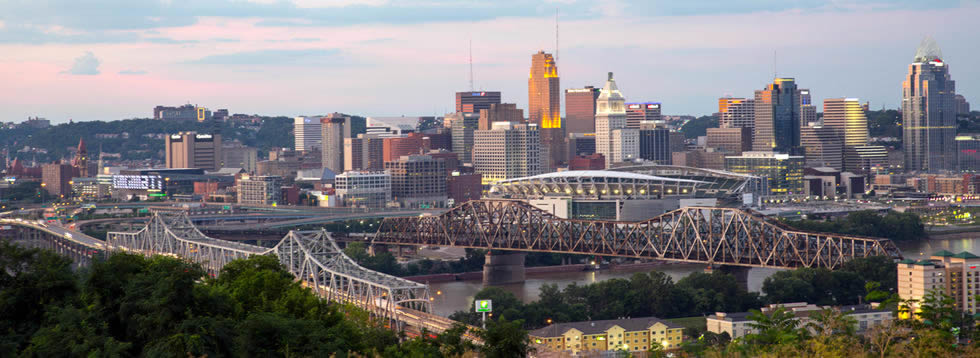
(544, 95)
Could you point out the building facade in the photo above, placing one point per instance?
(261, 190)
(777, 117)
(307, 133)
(580, 109)
(736, 113)
(610, 117)
(193, 150)
(473, 102)
(334, 129)
(968, 153)
(508, 150)
(928, 112)
(655, 145)
(544, 106)
(364, 153)
(239, 156)
(418, 181)
(848, 118)
(639, 112)
(956, 275)
(463, 126)
(784, 172)
(822, 146)
(396, 147)
(732, 140)
(363, 189)
(738, 324)
(630, 334)
(500, 112)
(56, 179)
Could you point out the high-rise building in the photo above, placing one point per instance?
(463, 125)
(581, 144)
(544, 106)
(699, 159)
(473, 102)
(822, 146)
(56, 179)
(396, 147)
(655, 145)
(625, 144)
(193, 150)
(418, 181)
(500, 112)
(507, 151)
(262, 190)
(968, 153)
(335, 128)
(736, 113)
(952, 274)
(777, 117)
(846, 116)
(307, 133)
(611, 116)
(733, 140)
(865, 159)
(928, 112)
(784, 172)
(580, 109)
(639, 112)
(364, 153)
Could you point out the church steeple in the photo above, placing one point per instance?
(81, 159)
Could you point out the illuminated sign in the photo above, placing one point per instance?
(137, 182)
(158, 194)
(175, 136)
(483, 305)
(634, 106)
(653, 106)
(203, 136)
(478, 94)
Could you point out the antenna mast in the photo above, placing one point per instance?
(775, 73)
(556, 34)
(471, 64)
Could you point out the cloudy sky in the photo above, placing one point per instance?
(112, 59)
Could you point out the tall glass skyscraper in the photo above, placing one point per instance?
(929, 112)
(544, 105)
(777, 117)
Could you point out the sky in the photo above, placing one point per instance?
(113, 59)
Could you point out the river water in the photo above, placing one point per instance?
(454, 296)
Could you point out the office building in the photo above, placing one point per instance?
(808, 112)
(956, 275)
(463, 187)
(544, 106)
(580, 109)
(611, 117)
(593, 161)
(929, 112)
(473, 102)
(500, 112)
(418, 181)
(699, 159)
(363, 189)
(364, 153)
(777, 117)
(260, 190)
(655, 145)
(56, 179)
(506, 151)
(732, 140)
(307, 133)
(639, 112)
(194, 150)
(239, 156)
(598, 337)
(866, 159)
(822, 146)
(397, 147)
(581, 144)
(738, 324)
(968, 153)
(463, 125)
(186, 112)
(783, 171)
(334, 129)
(736, 113)
(848, 118)
(625, 144)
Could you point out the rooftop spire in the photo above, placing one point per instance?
(928, 51)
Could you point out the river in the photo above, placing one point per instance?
(454, 296)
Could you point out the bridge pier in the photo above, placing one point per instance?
(503, 268)
(741, 273)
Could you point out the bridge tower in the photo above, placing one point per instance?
(503, 267)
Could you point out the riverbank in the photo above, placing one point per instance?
(538, 270)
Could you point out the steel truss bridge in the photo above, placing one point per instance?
(714, 236)
(312, 256)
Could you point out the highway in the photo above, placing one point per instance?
(69, 234)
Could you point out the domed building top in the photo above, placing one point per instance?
(928, 51)
(610, 99)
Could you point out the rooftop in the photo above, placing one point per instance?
(596, 327)
(598, 174)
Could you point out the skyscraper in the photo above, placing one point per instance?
(544, 105)
(847, 117)
(335, 128)
(736, 113)
(580, 109)
(193, 150)
(307, 133)
(500, 112)
(506, 151)
(928, 112)
(473, 102)
(638, 112)
(823, 146)
(610, 117)
(462, 126)
(777, 117)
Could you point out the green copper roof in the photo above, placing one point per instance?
(907, 261)
(966, 255)
(943, 253)
(925, 262)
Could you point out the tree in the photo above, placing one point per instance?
(31, 281)
(505, 339)
(777, 327)
(882, 337)
(452, 342)
(831, 322)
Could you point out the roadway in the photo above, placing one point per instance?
(69, 234)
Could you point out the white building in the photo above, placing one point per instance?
(610, 117)
(738, 324)
(308, 135)
(508, 150)
(363, 189)
(263, 190)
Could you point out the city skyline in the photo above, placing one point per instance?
(321, 57)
